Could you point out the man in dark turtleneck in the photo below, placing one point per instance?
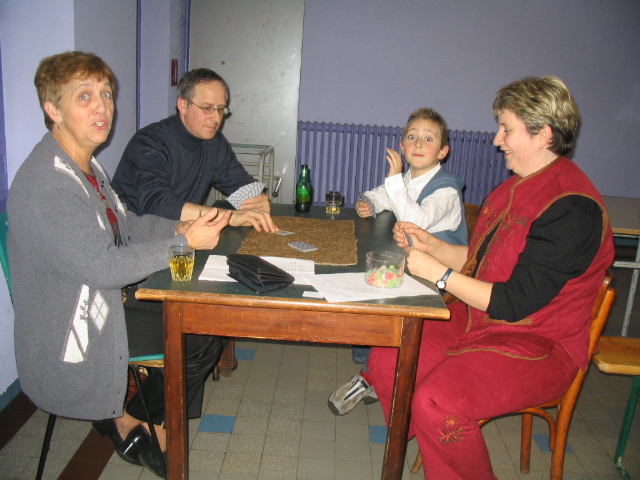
(169, 166)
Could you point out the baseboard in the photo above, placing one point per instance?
(9, 394)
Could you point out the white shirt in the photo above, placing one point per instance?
(442, 210)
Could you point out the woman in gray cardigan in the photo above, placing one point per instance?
(72, 247)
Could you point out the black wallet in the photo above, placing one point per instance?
(258, 274)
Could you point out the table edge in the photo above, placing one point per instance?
(435, 313)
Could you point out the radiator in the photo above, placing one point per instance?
(352, 158)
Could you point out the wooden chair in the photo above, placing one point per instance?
(621, 355)
(471, 212)
(558, 427)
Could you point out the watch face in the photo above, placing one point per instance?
(441, 284)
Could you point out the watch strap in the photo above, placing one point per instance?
(443, 280)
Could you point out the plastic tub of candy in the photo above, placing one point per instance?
(384, 269)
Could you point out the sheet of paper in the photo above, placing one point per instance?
(351, 287)
(216, 268)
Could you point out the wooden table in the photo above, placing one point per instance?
(232, 310)
(624, 216)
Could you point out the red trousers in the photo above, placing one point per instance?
(453, 392)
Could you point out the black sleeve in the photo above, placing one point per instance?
(560, 246)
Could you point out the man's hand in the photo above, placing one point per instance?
(261, 202)
(256, 218)
(204, 232)
(395, 162)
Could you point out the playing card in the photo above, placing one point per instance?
(369, 203)
(284, 232)
(303, 246)
(248, 191)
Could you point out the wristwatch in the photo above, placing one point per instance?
(442, 283)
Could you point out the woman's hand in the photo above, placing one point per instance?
(362, 209)
(395, 162)
(204, 232)
(424, 265)
(407, 234)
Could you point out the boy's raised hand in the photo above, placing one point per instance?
(395, 162)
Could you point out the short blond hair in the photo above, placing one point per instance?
(540, 101)
(427, 113)
(55, 72)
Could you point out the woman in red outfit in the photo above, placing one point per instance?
(521, 292)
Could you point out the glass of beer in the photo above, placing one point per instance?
(181, 260)
(333, 202)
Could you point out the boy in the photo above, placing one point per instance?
(426, 195)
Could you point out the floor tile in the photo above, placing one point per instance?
(377, 434)
(315, 469)
(217, 423)
(316, 448)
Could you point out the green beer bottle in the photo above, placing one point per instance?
(303, 191)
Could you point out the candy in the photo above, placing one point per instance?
(384, 277)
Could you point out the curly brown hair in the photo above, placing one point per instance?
(55, 72)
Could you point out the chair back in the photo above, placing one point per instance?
(4, 257)
(471, 213)
(600, 312)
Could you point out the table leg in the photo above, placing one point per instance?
(228, 361)
(396, 447)
(175, 389)
(632, 288)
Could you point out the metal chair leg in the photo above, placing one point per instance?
(634, 398)
(152, 430)
(45, 445)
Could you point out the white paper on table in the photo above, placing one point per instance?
(351, 287)
(216, 268)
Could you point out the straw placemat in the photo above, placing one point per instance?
(335, 239)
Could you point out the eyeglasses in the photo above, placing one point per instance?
(223, 111)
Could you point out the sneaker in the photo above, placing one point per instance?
(345, 398)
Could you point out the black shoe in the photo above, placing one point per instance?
(108, 427)
(139, 446)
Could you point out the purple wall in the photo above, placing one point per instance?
(374, 62)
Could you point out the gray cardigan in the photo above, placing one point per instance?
(67, 274)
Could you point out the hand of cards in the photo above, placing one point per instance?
(243, 193)
(369, 203)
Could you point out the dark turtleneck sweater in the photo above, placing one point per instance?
(164, 166)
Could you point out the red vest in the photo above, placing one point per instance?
(512, 207)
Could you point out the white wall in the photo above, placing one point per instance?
(108, 29)
(23, 27)
(162, 32)
(256, 47)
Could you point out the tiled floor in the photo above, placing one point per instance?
(270, 421)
